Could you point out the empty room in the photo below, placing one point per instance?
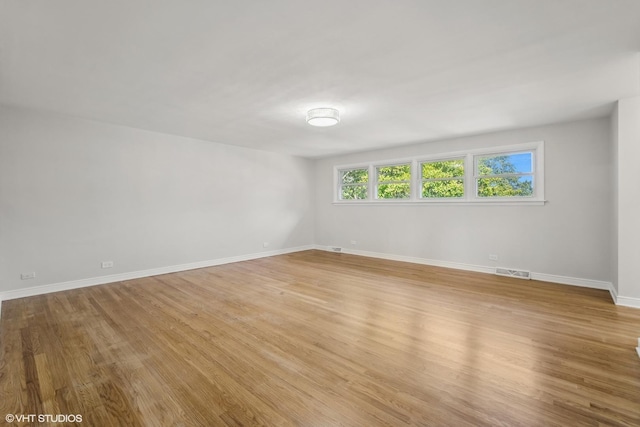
(337, 213)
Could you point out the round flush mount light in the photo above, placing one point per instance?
(323, 117)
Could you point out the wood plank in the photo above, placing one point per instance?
(317, 338)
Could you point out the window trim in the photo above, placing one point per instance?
(470, 194)
(420, 180)
(377, 183)
(476, 175)
(340, 184)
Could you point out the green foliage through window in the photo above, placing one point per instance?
(394, 182)
(443, 179)
(511, 186)
(354, 184)
(505, 175)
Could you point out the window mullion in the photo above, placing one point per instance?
(413, 188)
(469, 178)
(373, 182)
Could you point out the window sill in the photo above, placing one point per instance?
(442, 203)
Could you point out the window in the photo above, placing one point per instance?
(505, 175)
(354, 184)
(393, 182)
(442, 179)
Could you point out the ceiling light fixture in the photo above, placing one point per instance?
(323, 117)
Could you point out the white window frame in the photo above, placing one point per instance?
(470, 176)
(421, 180)
(409, 181)
(477, 176)
(341, 184)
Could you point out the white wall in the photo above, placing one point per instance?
(628, 200)
(568, 236)
(75, 192)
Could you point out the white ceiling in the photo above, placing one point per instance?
(245, 72)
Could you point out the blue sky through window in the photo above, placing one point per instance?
(522, 162)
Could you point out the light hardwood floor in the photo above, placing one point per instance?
(323, 339)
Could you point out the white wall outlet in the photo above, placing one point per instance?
(106, 264)
(26, 276)
(265, 244)
(354, 242)
(493, 257)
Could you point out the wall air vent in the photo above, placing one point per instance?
(519, 274)
(336, 249)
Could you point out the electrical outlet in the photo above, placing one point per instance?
(26, 276)
(353, 242)
(493, 257)
(265, 244)
(107, 264)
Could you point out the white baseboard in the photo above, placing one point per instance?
(74, 284)
(414, 260)
(623, 301)
(628, 301)
(614, 293)
(564, 280)
(573, 281)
